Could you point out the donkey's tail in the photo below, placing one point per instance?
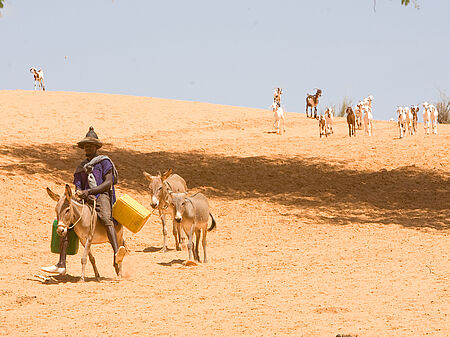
(213, 225)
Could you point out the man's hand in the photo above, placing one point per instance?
(84, 194)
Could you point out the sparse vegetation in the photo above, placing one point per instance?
(346, 101)
(406, 3)
(443, 108)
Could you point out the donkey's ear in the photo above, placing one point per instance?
(68, 192)
(166, 174)
(147, 175)
(53, 195)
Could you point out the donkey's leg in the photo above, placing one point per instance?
(87, 247)
(181, 237)
(197, 242)
(176, 235)
(190, 244)
(205, 259)
(164, 229)
(94, 266)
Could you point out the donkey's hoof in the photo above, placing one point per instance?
(178, 248)
(116, 268)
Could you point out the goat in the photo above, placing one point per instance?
(351, 121)
(414, 111)
(434, 114)
(426, 117)
(312, 101)
(278, 114)
(368, 120)
(277, 95)
(322, 127)
(401, 117)
(38, 78)
(329, 120)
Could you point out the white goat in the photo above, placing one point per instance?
(278, 113)
(368, 119)
(329, 120)
(401, 115)
(434, 118)
(38, 78)
(426, 117)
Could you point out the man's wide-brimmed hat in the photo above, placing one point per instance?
(91, 138)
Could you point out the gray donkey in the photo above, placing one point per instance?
(192, 214)
(83, 219)
(159, 186)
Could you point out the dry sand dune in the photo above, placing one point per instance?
(315, 237)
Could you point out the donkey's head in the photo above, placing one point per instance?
(318, 92)
(64, 210)
(178, 201)
(157, 187)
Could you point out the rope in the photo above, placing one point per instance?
(81, 214)
(93, 216)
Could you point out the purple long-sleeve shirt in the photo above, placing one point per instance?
(80, 178)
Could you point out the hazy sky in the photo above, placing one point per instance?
(232, 52)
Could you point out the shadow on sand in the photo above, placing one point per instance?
(57, 279)
(153, 250)
(407, 196)
(169, 264)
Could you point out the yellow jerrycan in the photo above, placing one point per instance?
(130, 213)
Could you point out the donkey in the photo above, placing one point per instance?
(159, 187)
(278, 114)
(351, 121)
(192, 214)
(38, 78)
(312, 101)
(83, 219)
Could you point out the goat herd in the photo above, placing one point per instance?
(361, 113)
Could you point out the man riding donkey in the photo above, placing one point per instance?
(94, 178)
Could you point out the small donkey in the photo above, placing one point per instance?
(159, 186)
(192, 214)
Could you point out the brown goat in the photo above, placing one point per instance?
(351, 121)
(312, 101)
(414, 111)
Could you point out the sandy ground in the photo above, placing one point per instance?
(314, 237)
